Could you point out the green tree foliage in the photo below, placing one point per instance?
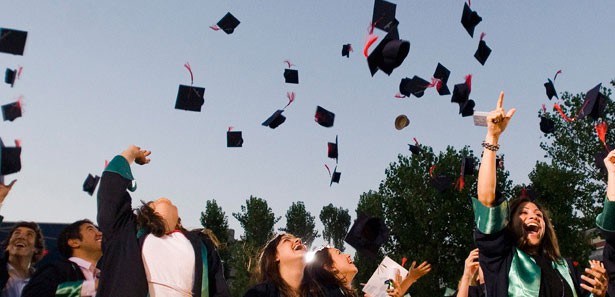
(214, 219)
(425, 224)
(571, 186)
(370, 203)
(336, 222)
(300, 223)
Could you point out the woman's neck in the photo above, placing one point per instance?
(292, 274)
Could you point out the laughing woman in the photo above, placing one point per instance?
(518, 249)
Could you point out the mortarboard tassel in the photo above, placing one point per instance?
(431, 170)
(371, 38)
(230, 128)
(18, 142)
(106, 163)
(400, 95)
(435, 82)
(461, 180)
(561, 113)
(469, 82)
(187, 65)
(556, 73)
(289, 63)
(601, 129)
(403, 261)
(291, 98)
(214, 27)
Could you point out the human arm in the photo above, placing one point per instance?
(595, 279)
(400, 287)
(497, 121)
(470, 271)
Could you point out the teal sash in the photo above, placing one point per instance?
(69, 289)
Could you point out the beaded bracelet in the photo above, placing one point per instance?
(491, 147)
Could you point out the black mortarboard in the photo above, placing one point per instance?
(442, 73)
(346, 48)
(228, 23)
(415, 86)
(90, 183)
(594, 104)
(291, 76)
(547, 125)
(466, 109)
(389, 53)
(335, 176)
(467, 166)
(10, 159)
(367, 235)
(12, 41)
(469, 19)
(442, 183)
(275, 119)
(234, 139)
(324, 117)
(11, 111)
(415, 149)
(550, 88)
(461, 93)
(599, 160)
(482, 52)
(332, 149)
(9, 76)
(190, 98)
(384, 15)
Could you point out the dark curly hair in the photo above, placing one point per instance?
(549, 246)
(319, 275)
(39, 241)
(149, 220)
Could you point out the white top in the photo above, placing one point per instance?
(169, 265)
(15, 284)
(88, 287)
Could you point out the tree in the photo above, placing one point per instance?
(426, 224)
(336, 222)
(257, 220)
(571, 185)
(371, 204)
(214, 218)
(300, 223)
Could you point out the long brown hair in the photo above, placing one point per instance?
(268, 266)
(549, 247)
(319, 274)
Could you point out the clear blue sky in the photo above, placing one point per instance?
(100, 75)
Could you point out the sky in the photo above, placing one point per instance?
(101, 75)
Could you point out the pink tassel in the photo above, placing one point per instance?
(187, 65)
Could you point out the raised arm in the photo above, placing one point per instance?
(497, 120)
(4, 191)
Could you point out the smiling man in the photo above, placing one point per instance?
(23, 247)
(76, 275)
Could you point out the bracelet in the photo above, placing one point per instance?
(491, 147)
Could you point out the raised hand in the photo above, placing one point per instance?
(5, 189)
(596, 278)
(135, 154)
(498, 119)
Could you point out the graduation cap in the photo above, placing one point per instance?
(275, 119)
(550, 88)
(228, 23)
(415, 86)
(384, 15)
(442, 74)
(442, 183)
(467, 166)
(401, 122)
(483, 51)
(10, 159)
(461, 93)
(466, 109)
(291, 76)
(335, 176)
(11, 111)
(389, 53)
(324, 117)
(346, 49)
(332, 150)
(367, 235)
(234, 139)
(469, 19)
(12, 41)
(190, 98)
(594, 104)
(415, 149)
(547, 125)
(90, 183)
(9, 76)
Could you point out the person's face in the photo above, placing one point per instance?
(530, 220)
(165, 208)
(91, 238)
(22, 243)
(343, 263)
(290, 248)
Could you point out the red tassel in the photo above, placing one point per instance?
(187, 65)
(431, 170)
(556, 73)
(19, 72)
(460, 183)
(106, 163)
(435, 82)
(214, 27)
(370, 40)
(482, 35)
(469, 82)
(230, 128)
(575, 263)
(291, 98)
(399, 95)
(328, 170)
(469, 4)
(416, 142)
(350, 48)
(561, 112)
(289, 64)
(403, 261)
(18, 142)
(601, 129)
(544, 108)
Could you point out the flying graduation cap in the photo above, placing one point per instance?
(389, 54)
(190, 98)
(10, 160)
(594, 104)
(332, 150)
(470, 19)
(291, 76)
(12, 111)
(12, 41)
(550, 87)
(461, 96)
(227, 23)
(346, 49)
(367, 235)
(233, 138)
(10, 75)
(415, 148)
(324, 117)
(442, 74)
(90, 183)
(415, 86)
(483, 51)
(335, 176)
(276, 119)
(384, 15)
(547, 125)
